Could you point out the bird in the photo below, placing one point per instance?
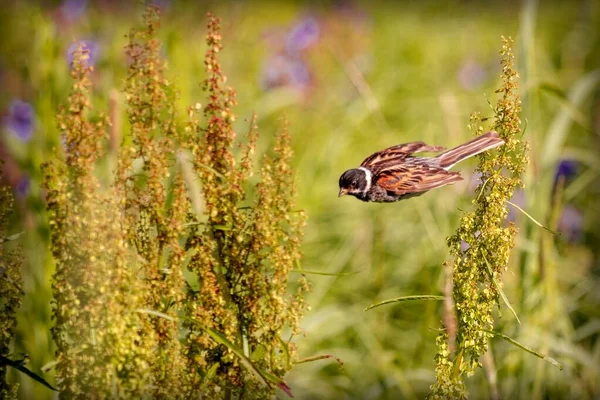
(395, 174)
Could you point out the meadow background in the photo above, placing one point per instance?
(353, 78)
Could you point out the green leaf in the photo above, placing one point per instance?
(406, 298)
(498, 288)
(18, 366)
(210, 373)
(219, 338)
(526, 348)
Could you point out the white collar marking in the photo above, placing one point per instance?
(368, 177)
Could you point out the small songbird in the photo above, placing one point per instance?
(395, 174)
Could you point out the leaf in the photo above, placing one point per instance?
(320, 357)
(12, 237)
(406, 298)
(498, 288)
(526, 348)
(280, 383)
(18, 366)
(219, 338)
(210, 373)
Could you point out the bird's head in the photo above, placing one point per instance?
(355, 182)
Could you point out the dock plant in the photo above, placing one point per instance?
(173, 277)
(482, 244)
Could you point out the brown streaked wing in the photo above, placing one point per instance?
(397, 153)
(414, 178)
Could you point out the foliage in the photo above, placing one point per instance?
(120, 249)
(11, 288)
(487, 241)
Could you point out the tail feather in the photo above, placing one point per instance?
(487, 141)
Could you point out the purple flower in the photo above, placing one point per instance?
(92, 48)
(163, 5)
(286, 71)
(566, 170)
(471, 75)
(72, 10)
(22, 187)
(302, 35)
(20, 119)
(571, 224)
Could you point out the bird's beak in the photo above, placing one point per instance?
(342, 192)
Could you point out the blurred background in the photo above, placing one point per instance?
(354, 77)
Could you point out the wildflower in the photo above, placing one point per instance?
(20, 120)
(162, 5)
(471, 74)
(565, 171)
(72, 10)
(302, 35)
(89, 46)
(22, 187)
(284, 71)
(287, 66)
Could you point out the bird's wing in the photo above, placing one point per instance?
(408, 178)
(396, 154)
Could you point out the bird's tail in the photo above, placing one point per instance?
(487, 141)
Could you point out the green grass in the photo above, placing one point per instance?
(394, 81)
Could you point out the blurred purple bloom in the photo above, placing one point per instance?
(565, 170)
(93, 51)
(471, 75)
(22, 187)
(71, 10)
(302, 35)
(163, 5)
(571, 224)
(20, 119)
(285, 71)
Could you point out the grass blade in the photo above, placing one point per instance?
(531, 218)
(18, 366)
(406, 298)
(526, 348)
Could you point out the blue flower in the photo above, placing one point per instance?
(71, 10)
(92, 48)
(20, 119)
(302, 35)
(471, 75)
(22, 187)
(285, 71)
(566, 170)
